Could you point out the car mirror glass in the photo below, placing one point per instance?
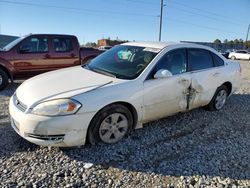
(162, 73)
(24, 49)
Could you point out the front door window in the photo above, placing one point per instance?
(34, 45)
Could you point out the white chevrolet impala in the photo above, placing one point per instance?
(119, 91)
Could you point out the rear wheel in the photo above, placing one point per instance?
(219, 99)
(110, 125)
(3, 79)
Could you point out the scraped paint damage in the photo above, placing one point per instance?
(192, 93)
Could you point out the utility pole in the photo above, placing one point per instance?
(247, 35)
(161, 20)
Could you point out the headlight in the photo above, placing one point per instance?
(57, 107)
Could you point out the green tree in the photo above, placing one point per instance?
(231, 44)
(247, 44)
(91, 44)
(236, 41)
(225, 41)
(217, 44)
(217, 41)
(241, 44)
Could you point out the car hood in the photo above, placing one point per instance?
(62, 83)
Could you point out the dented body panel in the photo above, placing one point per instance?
(150, 98)
(163, 97)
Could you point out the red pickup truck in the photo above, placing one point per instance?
(38, 53)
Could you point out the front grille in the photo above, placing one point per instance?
(19, 104)
(47, 137)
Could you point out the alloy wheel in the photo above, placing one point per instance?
(1, 79)
(113, 128)
(220, 99)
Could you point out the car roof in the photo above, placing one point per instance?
(241, 50)
(54, 35)
(161, 45)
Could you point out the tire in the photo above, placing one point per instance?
(110, 125)
(233, 58)
(220, 96)
(87, 60)
(3, 79)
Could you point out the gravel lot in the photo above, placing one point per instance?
(194, 149)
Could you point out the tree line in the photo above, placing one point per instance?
(231, 44)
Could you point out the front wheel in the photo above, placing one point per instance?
(3, 79)
(233, 58)
(110, 125)
(219, 99)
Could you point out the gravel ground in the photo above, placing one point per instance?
(193, 149)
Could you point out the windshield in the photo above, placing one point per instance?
(124, 62)
(12, 44)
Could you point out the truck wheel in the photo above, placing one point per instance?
(3, 79)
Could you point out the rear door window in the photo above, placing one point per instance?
(199, 59)
(241, 52)
(62, 45)
(217, 60)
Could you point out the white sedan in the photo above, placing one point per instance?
(119, 91)
(239, 54)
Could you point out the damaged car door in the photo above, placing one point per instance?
(206, 76)
(166, 95)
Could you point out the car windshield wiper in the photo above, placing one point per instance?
(86, 66)
(99, 71)
(103, 72)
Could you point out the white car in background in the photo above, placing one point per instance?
(104, 48)
(120, 90)
(239, 54)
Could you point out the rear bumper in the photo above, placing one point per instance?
(63, 131)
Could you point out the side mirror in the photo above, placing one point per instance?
(162, 73)
(24, 49)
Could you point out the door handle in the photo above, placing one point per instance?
(47, 56)
(72, 55)
(216, 74)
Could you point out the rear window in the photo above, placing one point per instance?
(242, 52)
(217, 60)
(199, 59)
(62, 45)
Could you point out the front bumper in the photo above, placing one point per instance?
(63, 131)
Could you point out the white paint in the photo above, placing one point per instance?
(152, 99)
(240, 54)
